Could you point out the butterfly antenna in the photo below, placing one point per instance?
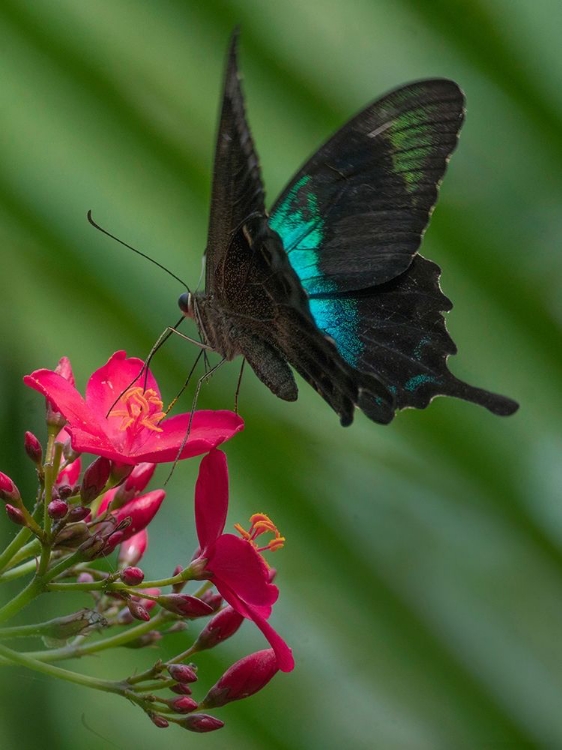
(138, 252)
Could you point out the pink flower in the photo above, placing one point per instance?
(133, 428)
(235, 565)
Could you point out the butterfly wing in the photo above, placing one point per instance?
(351, 222)
(237, 191)
(354, 215)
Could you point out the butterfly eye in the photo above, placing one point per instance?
(185, 303)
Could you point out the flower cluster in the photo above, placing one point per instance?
(82, 516)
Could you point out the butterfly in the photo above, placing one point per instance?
(330, 282)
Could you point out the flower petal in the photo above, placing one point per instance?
(208, 430)
(211, 499)
(282, 650)
(113, 379)
(70, 403)
(238, 564)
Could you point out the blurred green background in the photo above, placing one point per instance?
(421, 584)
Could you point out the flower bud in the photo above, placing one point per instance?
(159, 721)
(201, 723)
(78, 513)
(137, 610)
(181, 689)
(57, 509)
(184, 605)
(213, 599)
(132, 549)
(15, 515)
(183, 672)
(92, 547)
(148, 639)
(8, 490)
(246, 677)
(135, 483)
(183, 705)
(132, 576)
(33, 448)
(64, 491)
(85, 578)
(72, 535)
(94, 480)
(222, 626)
(178, 587)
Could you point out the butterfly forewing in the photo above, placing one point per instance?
(354, 215)
(237, 190)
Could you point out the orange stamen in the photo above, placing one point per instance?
(261, 524)
(141, 409)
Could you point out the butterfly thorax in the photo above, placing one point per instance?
(249, 290)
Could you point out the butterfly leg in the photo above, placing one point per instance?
(270, 366)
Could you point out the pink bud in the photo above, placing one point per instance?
(141, 510)
(78, 513)
(181, 689)
(57, 509)
(85, 578)
(213, 599)
(222, 626)
(137, 610)
(132, 549)
(159, 721)
(139, 478)
(132, 576)
(8, 490)
(184, 605)
(94, 480)
(201, 723)
(183, 672)
(246, 677)
(178, 587)
(33, 448)
(15, 515)
(54, 417)
(64, 369)
(183, 705)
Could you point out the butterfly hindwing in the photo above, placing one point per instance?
(397, 331)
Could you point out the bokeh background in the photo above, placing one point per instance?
(421, 584)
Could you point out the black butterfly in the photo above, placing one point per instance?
(330, 281)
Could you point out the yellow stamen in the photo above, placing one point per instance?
(261, 524)
(141, 409)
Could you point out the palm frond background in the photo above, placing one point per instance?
(421, 585)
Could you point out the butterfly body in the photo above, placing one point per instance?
(330, 282)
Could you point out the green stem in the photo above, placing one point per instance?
(25, 660)
(76, 651)
(21, 600)
(32, 549)
(15, 545)
(21, 570)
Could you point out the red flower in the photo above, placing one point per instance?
(133, 429)
(234, 565)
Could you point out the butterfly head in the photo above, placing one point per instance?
(186, 304)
